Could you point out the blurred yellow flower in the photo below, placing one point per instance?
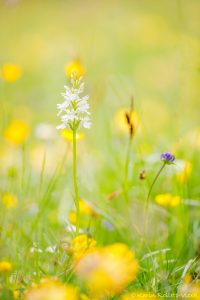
(85, 210)
(168, 200)
(50, 289)
(185, 172)
(5, 266)
(191, 290)
(68, 135)
(11, 72)
(16, 294)
(17, 132)
(72, 217)
(108, 270)
(85, 297)
(121, 120)
(9, 200)
(75, 67)
(187, 278)
(139, 295)
(193, 138)
(81, 245)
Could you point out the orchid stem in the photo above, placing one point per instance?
(76, 195)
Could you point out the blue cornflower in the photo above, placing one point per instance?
(167, 157)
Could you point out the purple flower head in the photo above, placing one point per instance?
(167, 157)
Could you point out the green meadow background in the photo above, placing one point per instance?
(149, 49)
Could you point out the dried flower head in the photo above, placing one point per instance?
(127, 121)
(142, 175)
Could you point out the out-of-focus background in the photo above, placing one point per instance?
(149, 49)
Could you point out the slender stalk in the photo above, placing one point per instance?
(23, 167)
(154, 181)
(149, 193)
(126, 169)
(76, 195)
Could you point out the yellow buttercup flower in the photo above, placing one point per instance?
(195, 291)
(9, 200)
(74, 67)
(185, 172)
(50, 289)
(121, 120)
(5, 266)
(72, 217)
(16, 294)
(108, 270)
(85, 297)
(85, 211)
(193, 138)
(11, 72)
(168, 200)
(139, 295)
(68, 135)
(81, 245)
(187, 279)
(85, 208)
(192, 290)
(17, 132)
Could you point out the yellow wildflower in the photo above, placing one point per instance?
(168, 200)
(16, 294)
(9, 200)
(192, 290)
(72, 217)
(51, 289)
(185, 172)
(121, 120)
(75, 67)
(17, 132)
(139, 295)
(68, 135)
(11, 72)
(195, 291)
(81, 245)
(5, 266)
(193, 138)
(107, 271)
(85, 210)
(187, 278)
(85, 297)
